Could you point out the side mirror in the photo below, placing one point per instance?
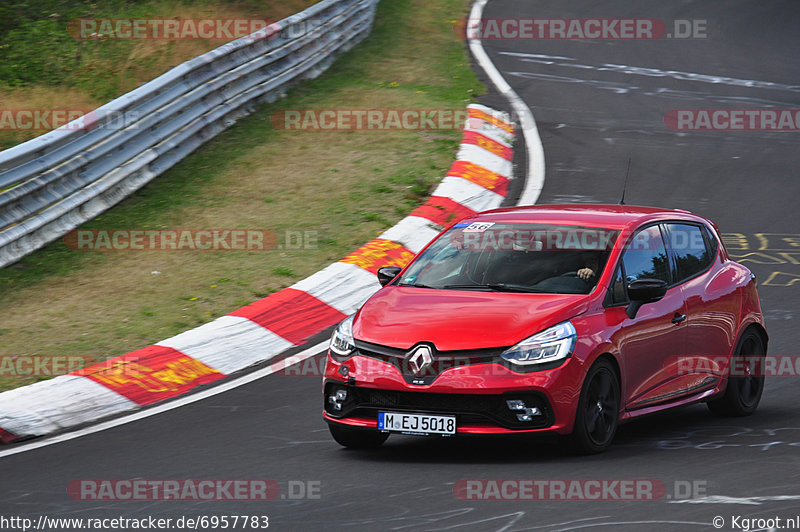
(644, 291)
(387, 273)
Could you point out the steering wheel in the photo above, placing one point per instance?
(569, 274)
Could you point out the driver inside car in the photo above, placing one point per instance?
(592, 262)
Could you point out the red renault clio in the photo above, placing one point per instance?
(558, 318)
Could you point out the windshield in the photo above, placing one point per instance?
(513, 257)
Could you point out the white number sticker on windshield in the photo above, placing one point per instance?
(478, 227)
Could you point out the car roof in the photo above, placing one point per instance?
(591, 215)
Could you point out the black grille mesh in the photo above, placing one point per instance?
(468, 408)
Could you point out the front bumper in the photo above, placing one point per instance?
(476, 394)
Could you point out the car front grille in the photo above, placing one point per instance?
(469, 409)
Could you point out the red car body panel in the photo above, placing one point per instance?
(558, 385)
(719, 304)
(447, 318)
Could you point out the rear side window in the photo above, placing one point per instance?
(689, 244)
(646, 256)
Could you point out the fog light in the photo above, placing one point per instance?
(336, 404)
(524, 413)
(337, 398)
(515, 404)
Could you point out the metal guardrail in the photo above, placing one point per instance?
(61, 179)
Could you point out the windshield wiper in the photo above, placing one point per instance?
(497, 287)
(415, 285)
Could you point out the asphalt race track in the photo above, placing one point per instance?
(597, 103)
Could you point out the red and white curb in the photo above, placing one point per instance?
(477, 181)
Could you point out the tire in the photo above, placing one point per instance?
(598, 410)
(743, 393)
(353, 438)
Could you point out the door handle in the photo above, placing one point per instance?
(678, 318)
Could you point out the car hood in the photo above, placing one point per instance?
(451, 320)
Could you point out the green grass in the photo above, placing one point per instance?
(39, 48)
(44, 65)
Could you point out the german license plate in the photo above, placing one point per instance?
(416, 423)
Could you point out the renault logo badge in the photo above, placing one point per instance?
(421, 358)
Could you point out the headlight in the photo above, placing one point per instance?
(555, 343)
(342, 342)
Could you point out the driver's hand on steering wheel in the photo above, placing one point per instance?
(584, 274)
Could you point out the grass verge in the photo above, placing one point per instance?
(44, 66)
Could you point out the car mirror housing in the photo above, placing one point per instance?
(387, 273)
(644, 291)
